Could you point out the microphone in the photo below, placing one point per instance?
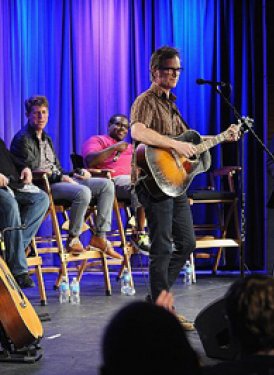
(201, 81)
(116, 156)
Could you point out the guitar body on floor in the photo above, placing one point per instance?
(17, 316)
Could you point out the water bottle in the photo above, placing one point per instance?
(64, 291)
(75, 292)
(126, 288)
(188, 273)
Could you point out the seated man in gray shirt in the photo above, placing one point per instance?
(35, 148)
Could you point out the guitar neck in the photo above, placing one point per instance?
(212, 142)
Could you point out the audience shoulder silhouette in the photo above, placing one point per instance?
(144, 338)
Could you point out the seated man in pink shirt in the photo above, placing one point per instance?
(112, 152)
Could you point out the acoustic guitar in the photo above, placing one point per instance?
(165, 172)
(17, 316)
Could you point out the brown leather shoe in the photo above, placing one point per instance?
(105, 246)
(186, 324)
(74, 246)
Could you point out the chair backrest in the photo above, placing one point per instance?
(227, 172)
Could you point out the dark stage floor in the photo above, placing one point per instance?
(71, 342)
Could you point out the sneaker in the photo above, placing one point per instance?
(24, 281)
(181, 318)
(188, 326)
(141, 243)
(74, 246)
(105, 246)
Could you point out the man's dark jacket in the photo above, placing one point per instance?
(10, 166)
(25, 146)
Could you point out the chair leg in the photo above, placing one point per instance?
(39, 275)
(217, 260)
(126, 262)
(41, 285)
(81, 270)
(62, 272)
(106, 275)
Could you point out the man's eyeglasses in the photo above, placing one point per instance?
(171, 70)
(121, 125)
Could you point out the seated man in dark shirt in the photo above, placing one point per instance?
(20, 203)
(34, 147)
(250, 311)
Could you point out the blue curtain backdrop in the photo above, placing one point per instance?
(91, 59)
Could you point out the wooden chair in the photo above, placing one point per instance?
(34, 264)
(117, 236)
(53, 244)
(225, 201)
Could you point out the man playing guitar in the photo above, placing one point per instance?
(155, 121)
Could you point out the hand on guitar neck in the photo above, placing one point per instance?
(233, 133)
(187, 149)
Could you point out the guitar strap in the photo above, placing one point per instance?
(174, 108)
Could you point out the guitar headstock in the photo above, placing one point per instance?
(245, 124)
(234, 132)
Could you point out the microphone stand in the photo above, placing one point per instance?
(247, 126)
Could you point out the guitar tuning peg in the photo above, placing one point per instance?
(246, 123)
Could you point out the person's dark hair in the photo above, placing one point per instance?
(143, 338)
(37, 100)
(114, 117)
(250, 310)
(159, 57)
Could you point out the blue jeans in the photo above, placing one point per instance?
(172, 238)
(24, 208)
(80, 196)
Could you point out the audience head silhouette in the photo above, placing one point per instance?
(143, 338)
(250, 309)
